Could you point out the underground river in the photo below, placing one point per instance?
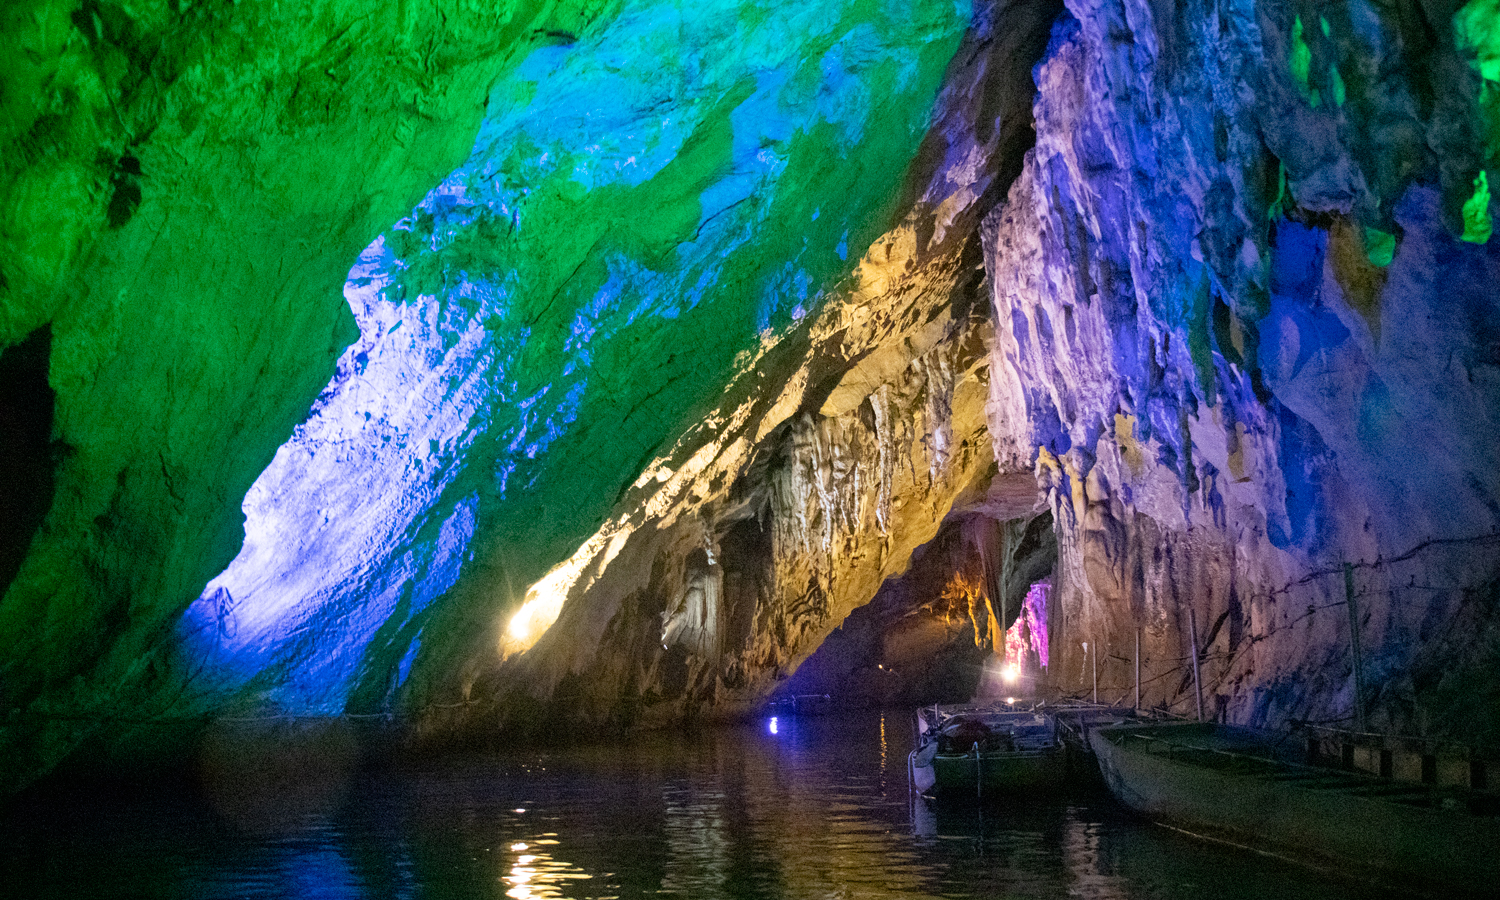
(799, 808)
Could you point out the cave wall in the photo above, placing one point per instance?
(658, 198)
(183, 188)
(631, 250)
(837, 452)
(723, 314)
(1242, 292)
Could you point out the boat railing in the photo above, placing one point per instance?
(1452, 797)
(1406, 741)
(1268, 761)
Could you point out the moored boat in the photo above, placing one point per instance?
(1239, 786)
(980, 751)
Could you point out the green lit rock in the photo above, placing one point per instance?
(1299, 62)
(1476, 29)
(1478, 226)
(1380, 246)
(183, 194)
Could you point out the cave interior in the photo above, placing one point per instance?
(535, 371)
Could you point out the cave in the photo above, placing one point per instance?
(386, 386)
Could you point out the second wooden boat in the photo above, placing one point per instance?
(1239, 786)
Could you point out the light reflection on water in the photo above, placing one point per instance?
(535, 873)
(817, 809)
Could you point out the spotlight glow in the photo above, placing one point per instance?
(544, 600)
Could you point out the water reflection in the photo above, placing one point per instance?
(818, 809)
(535, 873)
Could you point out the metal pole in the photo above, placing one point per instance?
(1359, 668)
(1137, 668)
(978, 774)
(1197, 684)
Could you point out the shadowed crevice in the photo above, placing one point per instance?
(26, 460)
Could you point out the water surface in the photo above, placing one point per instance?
(810, 808)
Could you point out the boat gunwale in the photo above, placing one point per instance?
(1301, 776)
(1428, 843)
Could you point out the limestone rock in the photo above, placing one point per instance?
(1226, 405)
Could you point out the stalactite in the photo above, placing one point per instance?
(880, 403)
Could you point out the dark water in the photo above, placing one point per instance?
(818, 810)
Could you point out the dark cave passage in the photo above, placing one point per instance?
(27, 460)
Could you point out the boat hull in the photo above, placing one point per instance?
(990, 774)
(1335, 821)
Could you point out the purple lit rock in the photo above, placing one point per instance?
(1228, 404)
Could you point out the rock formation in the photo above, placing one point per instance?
(729, 317)
(1242, 305)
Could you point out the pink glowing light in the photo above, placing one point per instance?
(1026, 639)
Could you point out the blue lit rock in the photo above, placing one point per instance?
(646, 218)
(183, 192)
(1228, 404)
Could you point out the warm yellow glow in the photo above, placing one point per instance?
(520, 877)
(534, 876)
(544, 600)
(1011, 674)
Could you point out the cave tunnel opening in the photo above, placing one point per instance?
(27, 460)
(972, 599)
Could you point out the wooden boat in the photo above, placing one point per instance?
(980, 750)
(1238, 786)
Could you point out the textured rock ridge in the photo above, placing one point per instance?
(736, 554)
(1230, 384)
(183, 188)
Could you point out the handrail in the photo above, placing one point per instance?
(1433, 742)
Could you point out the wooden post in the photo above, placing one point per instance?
(978, 774)
(1197, 684)
(1359, 668)
(1137, 668)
